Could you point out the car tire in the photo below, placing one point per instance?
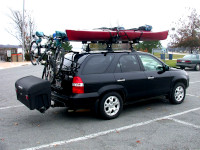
(177, 94)
(110, 106)
(182, 67)
(197, 67)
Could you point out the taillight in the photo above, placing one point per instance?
(178, 60)
(188, 61)
(27, 98)
(77, 85)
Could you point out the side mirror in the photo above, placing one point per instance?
(160, 68)
(166, 68)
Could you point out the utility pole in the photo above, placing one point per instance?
(23, 46)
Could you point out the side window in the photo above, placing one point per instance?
(150, 63)
(128, 63)
(97, 64)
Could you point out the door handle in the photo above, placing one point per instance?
(150, 78)
(121, 80)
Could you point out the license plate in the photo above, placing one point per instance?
(58, 83)
(183, 61)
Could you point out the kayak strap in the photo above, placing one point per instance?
(141, 34)
(115, 39)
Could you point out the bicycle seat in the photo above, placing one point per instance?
(39, 34)
(61, 35)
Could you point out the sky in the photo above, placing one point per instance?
(59, 15)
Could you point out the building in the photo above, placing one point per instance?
(7, 50)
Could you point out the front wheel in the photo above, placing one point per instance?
(111, 105)
(178, 94)
(34, 52)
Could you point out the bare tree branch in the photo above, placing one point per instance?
(17, 31)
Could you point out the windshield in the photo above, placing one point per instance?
(190, 57)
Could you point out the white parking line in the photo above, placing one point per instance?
(2, 108)
(94, 135)
(195, 82)
(185, 123)
(192, 95)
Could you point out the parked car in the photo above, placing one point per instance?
(105, 81)
(190, 61)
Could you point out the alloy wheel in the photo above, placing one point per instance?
(111, 105)
(179, 93)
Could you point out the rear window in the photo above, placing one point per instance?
(127, 63)
(78, 58)
(97, 64)
(68, 59)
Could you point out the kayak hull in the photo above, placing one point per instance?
(123, 35)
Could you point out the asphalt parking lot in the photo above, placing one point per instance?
(153, 124)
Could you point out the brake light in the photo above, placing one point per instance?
(178, 60)
(77, 85)
(188, 61)
(27, 98)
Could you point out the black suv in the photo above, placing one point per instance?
(106, 81)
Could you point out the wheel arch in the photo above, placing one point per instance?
(184, 81)
(113, 88)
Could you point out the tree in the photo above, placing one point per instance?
(67, 46)
(148, 45)
(187, 35)
(17, 30)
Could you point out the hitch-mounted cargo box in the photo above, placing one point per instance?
(34, 92)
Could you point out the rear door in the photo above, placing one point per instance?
(71, 61)
(128, 74)
(157, 81)
(95, 72)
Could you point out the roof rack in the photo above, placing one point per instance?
(109, 44)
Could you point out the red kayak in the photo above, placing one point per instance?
(124, 35)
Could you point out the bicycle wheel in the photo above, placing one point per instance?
(44, 73)
(34, 51)
(49, 72)
(59, 60)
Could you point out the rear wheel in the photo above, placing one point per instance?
(49, 72)
(111, 105)
(197, 67)
(59, 60)
(182, 67)
(178, 94)
(34, 51)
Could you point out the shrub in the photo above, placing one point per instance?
(27, 57)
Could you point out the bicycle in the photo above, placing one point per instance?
(35, 48)
(54, 52)
(49, 68)
(46, 58)
(60, 38)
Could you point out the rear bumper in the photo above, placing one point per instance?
(186, 65)
(76, 100)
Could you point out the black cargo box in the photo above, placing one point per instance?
(34, 92)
